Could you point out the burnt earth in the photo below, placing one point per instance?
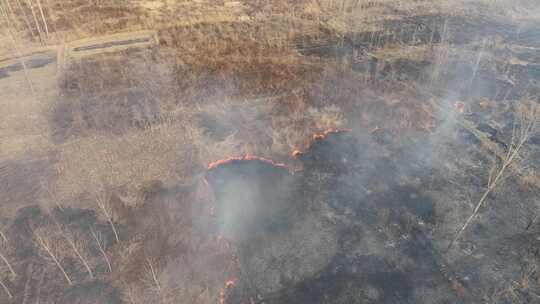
(252, 197)
(383, 216)
(37, 277)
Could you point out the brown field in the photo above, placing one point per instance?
(111, 112)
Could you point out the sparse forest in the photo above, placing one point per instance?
(276, 152)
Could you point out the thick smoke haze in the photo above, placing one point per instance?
(250, 152)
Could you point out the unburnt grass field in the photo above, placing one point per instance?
(386, 151)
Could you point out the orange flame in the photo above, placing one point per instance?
(228, 285)
(484, 103)
(222, 296)
(324, 134)
(321, 136)
(244, 158)
(459, 106)
(318, 137)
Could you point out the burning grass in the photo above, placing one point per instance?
(245, 158)
(133, 132)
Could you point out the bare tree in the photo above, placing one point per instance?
(99, 242)
(25, 17)
(43, 18)
(153, 274)
(75, 243)
(152, 281)
(102, 200)
(48, 247)
(526, 124)
(3, 257)
(8, 9)
(18, 53)
(38, 27)
(77, 247)
(6, 289)
(8, 265)
(50, 199)
(5, 244)
(132, 293)
(3, 236)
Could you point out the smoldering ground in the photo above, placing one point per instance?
(395, 205)
(392, 215)
(363, 216)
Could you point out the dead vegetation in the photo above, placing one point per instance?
(525, 127)
(129, 133)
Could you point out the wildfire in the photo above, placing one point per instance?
(484, 103)
(222, 293)
(459, 106)
(220, 162)
(323, 135)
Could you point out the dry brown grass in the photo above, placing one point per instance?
(160, 153)
(215, 68)
(237, 63)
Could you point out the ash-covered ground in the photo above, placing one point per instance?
(369, 220)
(113, 114)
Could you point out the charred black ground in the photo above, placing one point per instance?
(252, 197)
(388, 221)
(110, 117)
